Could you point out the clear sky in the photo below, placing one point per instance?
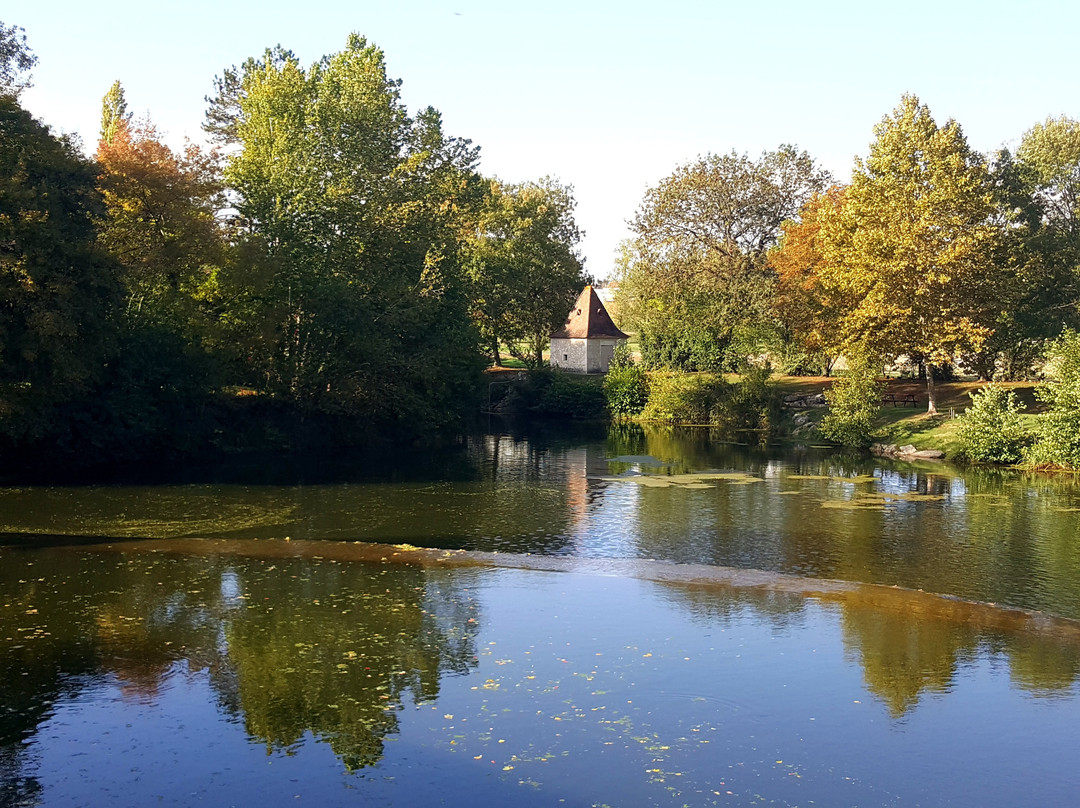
(607, 96)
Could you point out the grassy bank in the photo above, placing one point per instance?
(906, 424)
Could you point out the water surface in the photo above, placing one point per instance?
(136, 679)
(671, 619)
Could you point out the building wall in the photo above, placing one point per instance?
(569, 354)
(582, 355)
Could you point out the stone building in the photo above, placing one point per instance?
(587, 340)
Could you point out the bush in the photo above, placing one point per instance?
(991, 430)
(626, 390)
(556, 392)
(854, 402)
(755, 401)
(1057, 438)
(685, 398)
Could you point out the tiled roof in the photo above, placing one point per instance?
(589, 318)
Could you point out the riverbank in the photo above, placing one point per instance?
(904, 424)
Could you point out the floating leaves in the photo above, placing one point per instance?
(693, 480)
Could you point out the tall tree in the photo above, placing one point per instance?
(57, 288)
(698, 285)
(161, 220)
(810, 315)
(114, 113)
(356, 208)
(16, 60)
(910, 253)
(524, 267)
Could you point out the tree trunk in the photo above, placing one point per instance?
(931, 392)
(496, 358)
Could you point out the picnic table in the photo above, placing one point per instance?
(898, 399)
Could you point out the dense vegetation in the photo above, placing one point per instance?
(933, 252)
(336, 270)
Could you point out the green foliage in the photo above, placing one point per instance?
(16, 61)
(355, 217)
(909, 257)
(522, 265)
(854, 401)
(626, 388)
(621, 357)
(58, 289)
(554, 392)
(1057, 438)
(696, 282)
(686, 398)
(991, 430)
(755, 402)
(114, 113)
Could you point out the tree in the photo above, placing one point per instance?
(161, 220)
(161, 225)
(524, 267)
(356, 209)
(698, 285)
(909, 255)
(114, 113)
(16, 61)
(1038, 197)
(57, 287)
(808, 314)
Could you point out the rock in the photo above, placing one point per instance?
(817, 400)
(905, 452)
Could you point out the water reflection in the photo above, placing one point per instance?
(582, 680)
(291, 647)
(684, 495)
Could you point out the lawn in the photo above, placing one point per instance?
(912, 425)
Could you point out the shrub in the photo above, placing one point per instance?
(991, 430)
(556, 392)
(854, 401)
(1057, 437)
(626, 389)
(754, 402)
(685, 398)
(621, 358)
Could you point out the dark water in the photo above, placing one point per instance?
(676, 495)
(276, 673)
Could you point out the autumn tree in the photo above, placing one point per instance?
(810, 316)
(524, 267)
(698, 286)
(161, 221)
(355, 208)
(909, 255)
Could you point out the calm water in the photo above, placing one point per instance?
(281, 673)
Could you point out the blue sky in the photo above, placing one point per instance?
(609, 97)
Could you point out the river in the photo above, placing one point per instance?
(639, 617)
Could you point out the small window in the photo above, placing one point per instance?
(565, 357)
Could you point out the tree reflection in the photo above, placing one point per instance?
(338, 654)
(904, 657)
(292, 647)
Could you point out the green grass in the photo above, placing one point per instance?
(904, 425)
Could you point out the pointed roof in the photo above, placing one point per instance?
(589, 318)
